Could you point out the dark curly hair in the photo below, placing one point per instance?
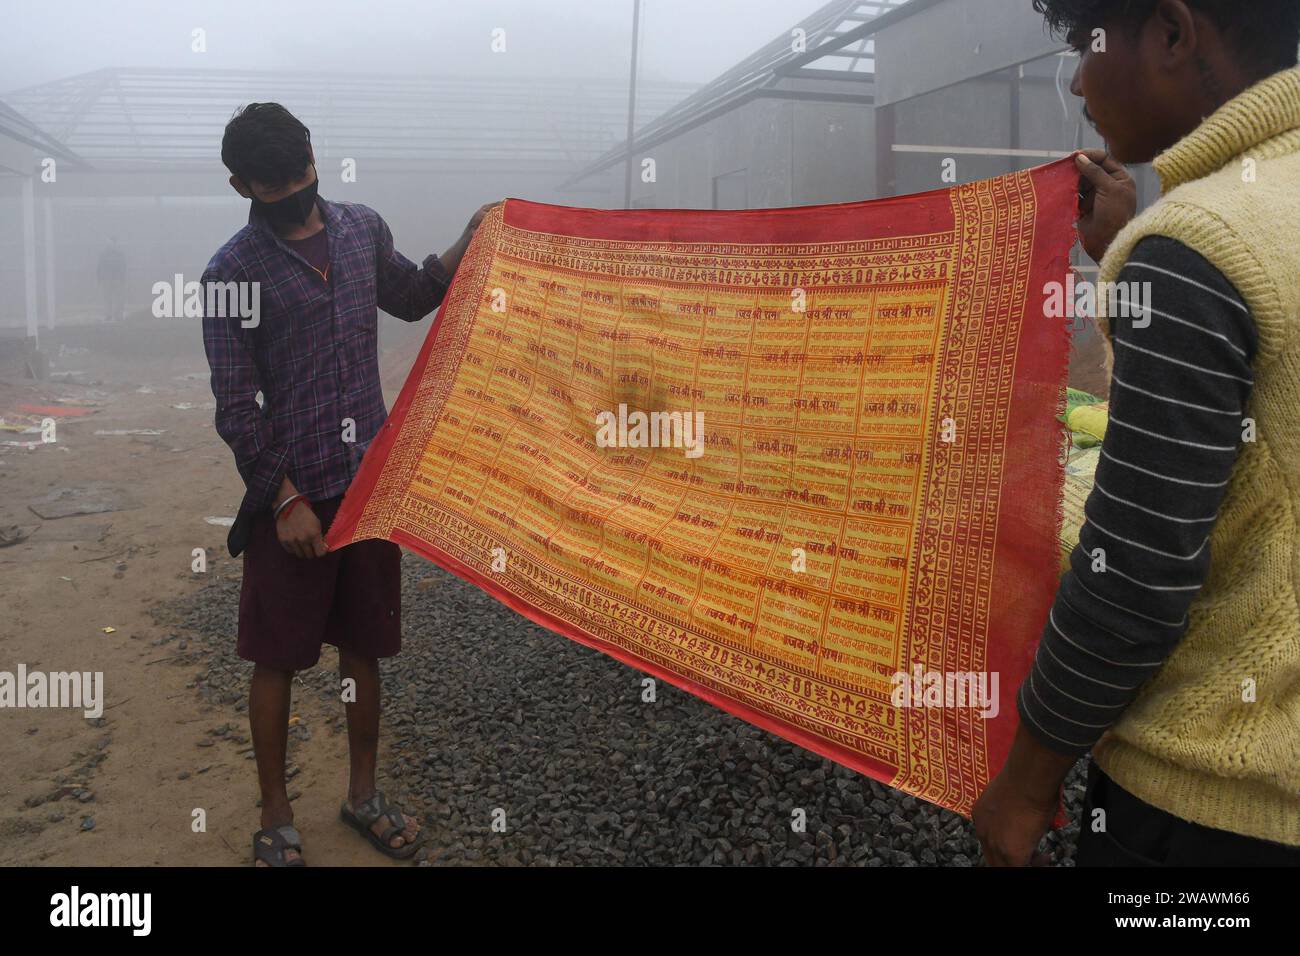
(265, 143)
(1264, 34)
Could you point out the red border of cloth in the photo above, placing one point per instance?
(1026, 574)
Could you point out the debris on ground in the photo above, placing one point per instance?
(93, 498)
(12, 534)
(72, 531)
(56, 411)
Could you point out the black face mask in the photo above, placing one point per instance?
(293, 209)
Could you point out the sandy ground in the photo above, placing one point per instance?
(123, 790)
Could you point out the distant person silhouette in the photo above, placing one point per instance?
(112, 281)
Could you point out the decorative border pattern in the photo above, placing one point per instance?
(987, 257)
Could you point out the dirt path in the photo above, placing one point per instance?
(122, 790)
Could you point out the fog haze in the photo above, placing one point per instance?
(681, 40)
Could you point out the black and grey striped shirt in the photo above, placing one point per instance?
(1178, 410)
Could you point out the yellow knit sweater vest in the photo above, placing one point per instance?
(1214, 737)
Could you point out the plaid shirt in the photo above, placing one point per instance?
(314, 354)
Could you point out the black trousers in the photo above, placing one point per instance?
(1138, 834)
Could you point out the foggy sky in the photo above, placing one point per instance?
(688, 40)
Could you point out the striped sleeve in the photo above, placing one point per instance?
(1178, 405)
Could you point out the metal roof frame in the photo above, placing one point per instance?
(15, 126)
(146, 120)
(838, 48)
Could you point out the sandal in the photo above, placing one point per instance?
(363, 820)
(271, 843)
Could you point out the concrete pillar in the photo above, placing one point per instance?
(29, 255)
(47, 205)
(886, 135)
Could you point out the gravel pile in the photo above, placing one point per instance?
(492, 719)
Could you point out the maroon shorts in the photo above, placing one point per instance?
(288, 606)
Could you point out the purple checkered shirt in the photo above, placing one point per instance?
(314, 354)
